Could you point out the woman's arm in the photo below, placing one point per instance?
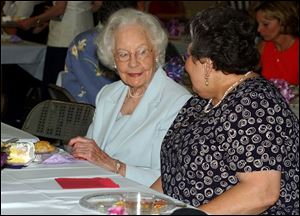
(255, 193)
(157, 185)
(56, 10)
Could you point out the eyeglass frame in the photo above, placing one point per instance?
(135, 54)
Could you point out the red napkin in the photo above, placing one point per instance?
(76, 183)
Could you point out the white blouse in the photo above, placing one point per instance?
(77, 18)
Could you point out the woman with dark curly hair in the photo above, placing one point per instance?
(234, 146)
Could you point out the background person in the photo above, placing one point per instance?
(278, 25)
(67, 19)
(132, 115)
(234, 147)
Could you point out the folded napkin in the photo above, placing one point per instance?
(77, 183)
(59, 159)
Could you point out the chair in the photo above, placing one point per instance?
(59, 93)
(59, 120)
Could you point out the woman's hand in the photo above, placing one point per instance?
(26, 24)
(84, 148)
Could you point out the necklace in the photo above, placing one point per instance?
(207, 110)
(133, 96)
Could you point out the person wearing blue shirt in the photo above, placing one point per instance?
(133, 114)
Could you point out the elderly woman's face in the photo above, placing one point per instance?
(268, 28)
(134, 56)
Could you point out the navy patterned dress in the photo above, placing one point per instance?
(252, 129)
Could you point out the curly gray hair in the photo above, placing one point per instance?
(105, 40)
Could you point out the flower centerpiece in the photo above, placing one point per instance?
(287, 90)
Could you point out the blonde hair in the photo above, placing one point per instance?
(286, 12)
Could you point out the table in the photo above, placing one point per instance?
(28, 55)
(8, 132)
(33, 190)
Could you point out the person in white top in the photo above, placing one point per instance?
(67, 19)
(20, 9)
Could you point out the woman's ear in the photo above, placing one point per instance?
(208, 65)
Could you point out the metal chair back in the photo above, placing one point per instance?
(59, 120)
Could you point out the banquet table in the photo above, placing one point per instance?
(9, 132)
(28, 55)
(32, 190)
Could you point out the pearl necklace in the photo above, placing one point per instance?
(133, 96)
(206, 110)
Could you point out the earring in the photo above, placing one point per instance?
(206, 79)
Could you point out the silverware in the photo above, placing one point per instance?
(181, 205)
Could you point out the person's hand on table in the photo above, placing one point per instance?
(84, 148)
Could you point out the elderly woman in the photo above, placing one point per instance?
(234, 147)
(132, 115)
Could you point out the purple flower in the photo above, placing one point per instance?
(3, 158)
(175, 68)
(284, 88)
(117, 210)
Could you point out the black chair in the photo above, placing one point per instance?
(59, 93)
(59, 120)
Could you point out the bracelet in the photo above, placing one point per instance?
(38, 21)
(118, 166)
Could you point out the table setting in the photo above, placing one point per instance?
(51, 181)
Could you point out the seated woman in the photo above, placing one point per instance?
(234, 147)
(132, 115)
(84, 74)
(278, 25)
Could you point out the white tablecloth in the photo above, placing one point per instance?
(33, 190)
(8, 132)
(28, 55)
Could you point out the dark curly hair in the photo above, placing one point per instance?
(227, 37)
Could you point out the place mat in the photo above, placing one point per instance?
(78, 183)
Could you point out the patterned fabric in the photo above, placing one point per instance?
(85, 76)
(253, 129)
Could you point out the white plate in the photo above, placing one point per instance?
(134, 203)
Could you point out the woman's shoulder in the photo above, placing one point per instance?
(112, 87)
(109, 90)
(262, 90)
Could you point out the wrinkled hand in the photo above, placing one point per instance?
(84, 148)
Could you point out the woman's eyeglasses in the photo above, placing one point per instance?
(140, 54)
